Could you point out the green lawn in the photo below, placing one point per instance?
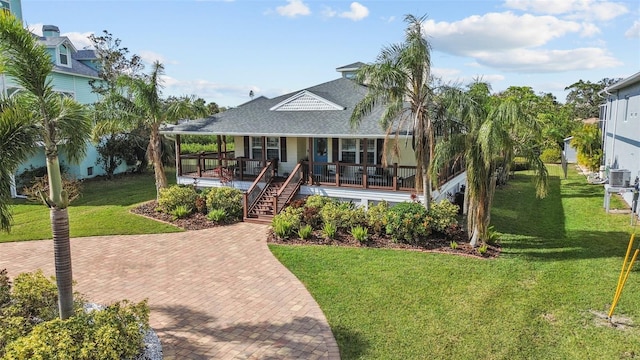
(102, 209)
(561, 259)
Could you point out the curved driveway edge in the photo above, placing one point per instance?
(214, 294)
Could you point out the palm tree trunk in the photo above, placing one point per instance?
(62, 255)
(60, 229)
(155, 156)
(426, 189)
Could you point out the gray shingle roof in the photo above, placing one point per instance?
(255, 118)
(85, 55)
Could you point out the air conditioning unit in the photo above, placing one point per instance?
(619, 177)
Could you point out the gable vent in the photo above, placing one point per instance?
(306, 101)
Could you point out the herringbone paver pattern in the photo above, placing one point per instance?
(214, 294)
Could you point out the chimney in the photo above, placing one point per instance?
(50, 31)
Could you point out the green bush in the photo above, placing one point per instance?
(520, 164)
(407, 222)
(290, 215)
(227, 198)
(5, 288)
(282, 227)
(181, 212)
(329, 230)
(343, 215)
(360, 233)
(551, 155)
(311, 216)
(305, 232)
(30, 328)
(376, 217)
(218, 216)
(117, 332)
(442, 215)
(318, 201)
(174, 196)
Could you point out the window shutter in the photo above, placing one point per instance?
(247, 153)
(335, 150)
(283, 149)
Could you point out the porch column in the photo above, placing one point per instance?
(365, 172)
(310, 160)
(178, 159)
(264, 151)
(219, 140)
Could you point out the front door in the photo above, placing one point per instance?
(319, 155)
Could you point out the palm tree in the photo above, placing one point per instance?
(58, 119)
(487, 141)
(138, 103)
(17, 136)
(399, 81)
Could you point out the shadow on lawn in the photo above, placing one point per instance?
(577, 245)
(187, 333)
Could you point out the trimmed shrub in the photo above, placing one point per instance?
(174, 196)
(376, 217)
(318, 201)
(227, 198)
(30, 328)
(290, 215)
(115, 333)
(443, 214)
(343, 215)
(407, 222)
(551, 155)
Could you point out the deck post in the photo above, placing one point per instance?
(245, 201)
(310, 161)
(200, 163)
(365, 170)
(219, 140)
(337, 173)
(395, 176)
(178, 158)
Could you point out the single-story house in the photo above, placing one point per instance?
(302, 143)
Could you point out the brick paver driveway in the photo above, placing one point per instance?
(214, 294)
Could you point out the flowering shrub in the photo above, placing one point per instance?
(227, 198)
(443, 214)
(342, 215)
(175, 196)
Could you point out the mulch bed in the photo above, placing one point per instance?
(435, 243)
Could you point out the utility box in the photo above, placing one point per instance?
(619, 177)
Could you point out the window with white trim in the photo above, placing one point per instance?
(273, 148)
(349, 154)
(64, 55)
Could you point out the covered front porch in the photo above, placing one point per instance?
(225, 167)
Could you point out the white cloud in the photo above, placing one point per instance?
(543, 61)
(454, 76)
(634, 30)
(35, 28)
(496, 31)
(328, 12)
(209, 90)
(589, 29)
(389, 19)
(293, 9)
(576, 9)
(357, 12)
(79, 40)
(150, 57)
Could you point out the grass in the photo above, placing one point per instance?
(561, 259)
(102, 209)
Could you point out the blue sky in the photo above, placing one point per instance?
(220, 50)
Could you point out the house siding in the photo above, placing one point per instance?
(622, 131)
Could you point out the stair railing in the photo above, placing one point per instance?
(259, 186)
(290, 188)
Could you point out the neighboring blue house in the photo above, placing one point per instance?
(72, 71)
(621, 116)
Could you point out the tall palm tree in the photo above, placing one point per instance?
(59, 119)
(138, 103)
(486, 140)
(399, 80)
